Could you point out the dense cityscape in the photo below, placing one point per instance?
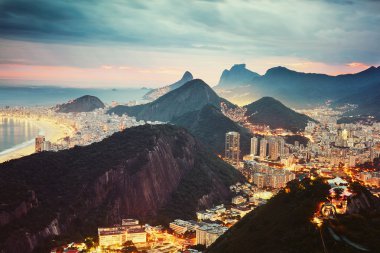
(199, 126)
(330, 150)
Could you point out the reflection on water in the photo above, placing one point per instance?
(14, 131)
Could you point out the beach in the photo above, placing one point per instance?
(52, 131)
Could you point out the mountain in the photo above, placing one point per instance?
(191, 96)
(281, 225)
(156, 93)
(85, 103)
(367, 100)
(153, 173)
(298, 88)
(284, 225)
(210, 126)
(272, 112)
(237, 75)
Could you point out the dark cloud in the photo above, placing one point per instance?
(327, 30)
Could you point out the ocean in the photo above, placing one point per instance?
(16, 133)
(32, 96)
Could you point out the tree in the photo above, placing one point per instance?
(338, 192)
(89, 242)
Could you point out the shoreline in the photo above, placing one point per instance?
(52, 131)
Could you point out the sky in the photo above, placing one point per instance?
(115, 43)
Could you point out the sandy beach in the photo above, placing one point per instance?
(49, 128)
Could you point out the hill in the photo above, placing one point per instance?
(272, 112)
(210, 126)
(298, 88)
(85, 103)
(153, 173)
(367, 100)
(191, 96)
(156, 93)
(237, 75)
(284, 224)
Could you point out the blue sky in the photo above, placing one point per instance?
(117, 43)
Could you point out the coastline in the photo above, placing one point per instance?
(52, 131)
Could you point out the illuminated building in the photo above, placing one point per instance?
(207, 234)
(129, 222)
(111, 236)
(39, 142)
(254, 145)
(46, 146)
(181, 226)
(129, 231)
(273, 149)
(263, 148)
(232, 150)
(259, 180)
(238, 200)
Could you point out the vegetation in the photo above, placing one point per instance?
(291, 139)
(64, 181)
(191, 96)
(272, 112)
(83, 104)
(210, 126)
(282, 225)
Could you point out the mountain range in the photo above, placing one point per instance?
(156, 93)
(237, 75)
(85, 103)
(191, 96)
(153, 173)
(294, 88)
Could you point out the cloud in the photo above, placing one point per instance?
(357, 65)
(149, 34)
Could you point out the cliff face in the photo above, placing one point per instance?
(143, 172)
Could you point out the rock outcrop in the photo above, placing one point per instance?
(153, 173)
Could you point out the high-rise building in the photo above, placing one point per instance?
(39, 143)
(254, 145)
(232, 150)
(273, 149)
(46, 146)
(263, 148)
(282, 146)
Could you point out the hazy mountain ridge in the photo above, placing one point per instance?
(156, 93)
(298, 88)
(191, 96)
(237, 75)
